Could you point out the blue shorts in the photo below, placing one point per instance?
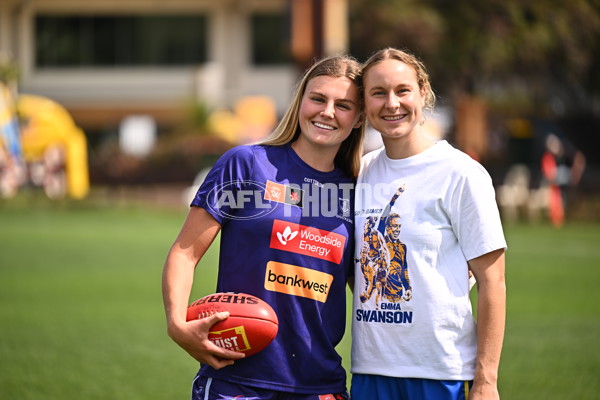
(205, 388)
(376, 387)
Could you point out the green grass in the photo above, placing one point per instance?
(81, 310)
(551, 346)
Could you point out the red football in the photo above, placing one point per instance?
(251, 326)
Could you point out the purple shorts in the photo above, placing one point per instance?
(205, 388)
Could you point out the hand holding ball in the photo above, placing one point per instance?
(251, 326)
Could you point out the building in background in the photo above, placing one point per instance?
(105, 60)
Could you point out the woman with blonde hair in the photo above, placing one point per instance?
(418, 339)
(283, 209)
(349, 154)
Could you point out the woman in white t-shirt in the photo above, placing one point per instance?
(425, 218)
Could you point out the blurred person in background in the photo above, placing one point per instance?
(418, 339)
(562, 167)
(307, 166)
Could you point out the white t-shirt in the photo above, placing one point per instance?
(412, 316)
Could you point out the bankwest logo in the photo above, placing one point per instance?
(297, 281)
(308, 241)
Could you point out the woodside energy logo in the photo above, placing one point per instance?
(307, 240)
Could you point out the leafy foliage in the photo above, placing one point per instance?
(546, 45)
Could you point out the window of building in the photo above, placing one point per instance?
(270, 39)
(115, 41)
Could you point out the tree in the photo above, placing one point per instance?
(516, 56)
(471, 46)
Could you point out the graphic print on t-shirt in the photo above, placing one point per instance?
(383, 258)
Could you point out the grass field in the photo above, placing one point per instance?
(81, 311)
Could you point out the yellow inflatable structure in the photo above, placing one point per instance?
(47, 124)
(52, 147)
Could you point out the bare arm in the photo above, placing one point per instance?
(491, 316)
(197, 234)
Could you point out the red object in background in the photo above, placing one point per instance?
(556, 209)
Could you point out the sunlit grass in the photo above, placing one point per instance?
(81, 311)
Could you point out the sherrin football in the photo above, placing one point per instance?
(251, 326)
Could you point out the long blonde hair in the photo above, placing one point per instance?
(409, 59)
(288, 129)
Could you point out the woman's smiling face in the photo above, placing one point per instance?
(393, 100)
(330, 109)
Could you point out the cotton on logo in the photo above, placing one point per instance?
(286, 236)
